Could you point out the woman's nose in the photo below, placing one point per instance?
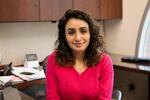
(77, 37)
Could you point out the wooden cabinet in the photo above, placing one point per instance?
(53, 10)
(98, 9)
(19, 10)
(91, 7)
(111, 9)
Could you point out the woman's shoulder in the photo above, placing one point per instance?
(105, 61)
(52, 56)
(105, 56)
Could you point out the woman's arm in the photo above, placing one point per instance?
(106, 79)
(51, 81)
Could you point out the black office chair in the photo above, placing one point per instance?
(116, 95)
(38, 91)
(41, 94)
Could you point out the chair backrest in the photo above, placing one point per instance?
(40, 94)
(116, 95)
(44, 63)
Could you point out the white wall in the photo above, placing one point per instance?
(18, 39)
(121, 35)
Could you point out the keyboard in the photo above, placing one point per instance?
(137, 60)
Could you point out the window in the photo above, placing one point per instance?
(143, 42)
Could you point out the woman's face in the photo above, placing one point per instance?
(77, 35)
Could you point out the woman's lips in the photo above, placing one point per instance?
(78, 44)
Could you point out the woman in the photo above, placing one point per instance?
(79, 69)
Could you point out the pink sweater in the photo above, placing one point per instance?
(94, 83)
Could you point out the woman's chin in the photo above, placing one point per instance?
(79, 50)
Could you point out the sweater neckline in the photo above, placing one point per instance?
(78, 73)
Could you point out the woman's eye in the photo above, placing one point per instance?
(83, 31)
(70, 32)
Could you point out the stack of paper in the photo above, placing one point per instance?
(5, 79)
(27, 73)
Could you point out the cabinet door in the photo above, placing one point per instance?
(111, 9)
(53, 10)
(91, 7)
(19, 10)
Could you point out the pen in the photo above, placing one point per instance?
(19, 77)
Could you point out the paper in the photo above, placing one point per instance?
(5, 79)
(36, 73)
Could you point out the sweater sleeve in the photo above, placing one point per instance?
(106, 79)
(51, 80)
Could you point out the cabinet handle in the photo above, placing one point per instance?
(35, 5)
(98, 3)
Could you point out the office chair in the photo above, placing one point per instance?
(41, 94)
(38, 91)
(116, 95)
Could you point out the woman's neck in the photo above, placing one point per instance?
(78, 56)
(79, 64)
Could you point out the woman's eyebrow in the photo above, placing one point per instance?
(68, 29)
(84, 28)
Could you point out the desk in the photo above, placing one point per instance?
(36, 79)
(33, 87)
(118, 64)
(25, 96)
(142, 69)
(27, 84)
(11, 93)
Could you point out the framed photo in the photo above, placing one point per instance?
(31, 57)
(31, 60)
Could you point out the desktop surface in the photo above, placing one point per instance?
(133, 67)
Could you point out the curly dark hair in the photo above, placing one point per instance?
(64, 55)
